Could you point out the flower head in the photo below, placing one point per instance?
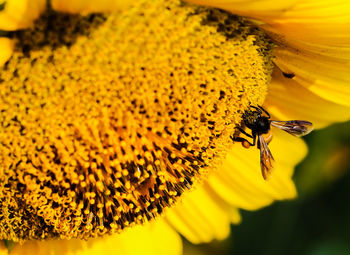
(105, 134)
(107, 121)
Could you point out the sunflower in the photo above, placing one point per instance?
(116, 127)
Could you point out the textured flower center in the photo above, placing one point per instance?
(105, 121)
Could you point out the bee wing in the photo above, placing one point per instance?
(266, 158)
(294, 127)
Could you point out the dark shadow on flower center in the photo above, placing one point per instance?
(55, 30)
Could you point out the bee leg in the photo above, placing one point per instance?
(243, 132)
(268, 114)
(254, 139)
(256, 108)
(241, 140)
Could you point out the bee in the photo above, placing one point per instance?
(257, 119)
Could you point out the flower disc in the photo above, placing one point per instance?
(105, 121)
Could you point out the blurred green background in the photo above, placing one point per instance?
(316, 223)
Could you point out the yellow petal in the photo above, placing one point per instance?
(6, 49)
(326, 76)
(288, 99)
(314, 21)
(250, 8)
(320, 21)
(154, 238)
(89, 6)
(240, 182)
(314, 39)
(19, 14)
(202, 217)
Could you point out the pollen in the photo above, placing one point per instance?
(106, 120)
